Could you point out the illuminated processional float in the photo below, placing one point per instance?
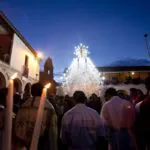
(81, 74)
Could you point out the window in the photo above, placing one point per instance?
(49, 72)
(26, 61)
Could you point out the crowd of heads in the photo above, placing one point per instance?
(62, 104)
(134, 95)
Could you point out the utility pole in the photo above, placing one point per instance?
(147, 43)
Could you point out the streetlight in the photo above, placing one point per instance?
(39, 55)
(133, 73)
(103, 78)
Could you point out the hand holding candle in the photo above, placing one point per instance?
(36, 132)
(8, 114)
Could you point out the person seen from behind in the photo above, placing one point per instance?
(118, 115)
(80, 128)
(95, 103)
(26, 118)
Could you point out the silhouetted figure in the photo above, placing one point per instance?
(95, 103)
(143, 120)
(3, 95)
(68, 103)
(134, 95)
(27, 93)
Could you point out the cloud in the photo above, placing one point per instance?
(131, 62)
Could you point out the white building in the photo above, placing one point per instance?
(16, 55)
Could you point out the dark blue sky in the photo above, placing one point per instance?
(113, 29)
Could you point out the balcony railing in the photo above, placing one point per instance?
(25, 71)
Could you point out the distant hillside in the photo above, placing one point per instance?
(131, 62)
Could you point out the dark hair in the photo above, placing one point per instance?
(79, 97)
(36, 89)
(111, 91)
(133, 90)
(122, 94)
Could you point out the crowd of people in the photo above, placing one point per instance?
(116, 121)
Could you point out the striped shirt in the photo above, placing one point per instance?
(80, 128)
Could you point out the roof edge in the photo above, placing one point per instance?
(15, 30)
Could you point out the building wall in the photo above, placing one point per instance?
(19, 51)
(121, 76)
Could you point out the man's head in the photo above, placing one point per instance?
(133, 91)
(94, 96)
(67, 98)
(36, 89)
(51, 96)
(110, 92)
(147, 83)
(122, 93)
(79, 97)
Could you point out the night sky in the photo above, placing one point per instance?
(113, 29)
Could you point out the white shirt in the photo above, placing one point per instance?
(118, 113)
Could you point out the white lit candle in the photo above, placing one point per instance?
(37, 127)
(9, 114)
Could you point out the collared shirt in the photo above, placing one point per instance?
(80, 128)
(118, 113)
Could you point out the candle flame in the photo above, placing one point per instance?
(14, 76)
(47, 85)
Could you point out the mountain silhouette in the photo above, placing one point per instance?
(131, 62)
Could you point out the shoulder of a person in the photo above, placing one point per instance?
(145, 102)
(69, 112)
(27, 103)
(126, 102)
(129, 105)
(49, 105)
(138, 104)
(106, 104)
(91, 110)
(115, 98)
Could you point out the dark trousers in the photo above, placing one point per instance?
(121, 140)
(143, 140)
(102, 144)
